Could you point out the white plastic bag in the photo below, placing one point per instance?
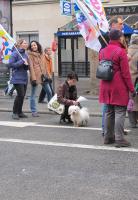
(55, 106)
(81, 98)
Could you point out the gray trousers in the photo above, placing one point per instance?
(114, 121)
(133, 117)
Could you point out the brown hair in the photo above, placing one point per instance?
(114, 20)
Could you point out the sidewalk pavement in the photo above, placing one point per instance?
(93, 105)
(6, 102)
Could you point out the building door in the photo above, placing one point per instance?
(73, 55)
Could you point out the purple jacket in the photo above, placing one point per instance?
(19, 70)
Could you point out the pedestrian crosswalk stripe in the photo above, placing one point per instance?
(70, 145)
(16, 124)
(26, 124)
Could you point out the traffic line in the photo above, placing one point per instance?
(70, 145)
(16, 124)
(26, 124)
(73, 127)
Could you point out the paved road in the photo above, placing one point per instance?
(41, 159)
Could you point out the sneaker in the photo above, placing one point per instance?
(35, 114)
(122, 143)
(15, 116)
(22, 115)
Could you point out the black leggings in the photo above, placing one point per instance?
(18, 102)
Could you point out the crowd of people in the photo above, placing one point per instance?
(115, 95)
(23, 58)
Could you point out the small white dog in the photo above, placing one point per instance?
(79, 116)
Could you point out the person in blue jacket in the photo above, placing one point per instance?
(19, 64)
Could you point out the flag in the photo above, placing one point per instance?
(87, 27)
(98, 11)
(6, 45)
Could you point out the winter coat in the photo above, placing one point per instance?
(19, 70)
(133, 61)
(48, 64)
(36, 66)
(116, 91)
(66, 94)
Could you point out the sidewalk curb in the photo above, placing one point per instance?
(94, 114)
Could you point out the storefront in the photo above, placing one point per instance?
(72, 53)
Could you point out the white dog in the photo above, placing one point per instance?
(79, 116)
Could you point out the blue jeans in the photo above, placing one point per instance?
(104, 109)
(48, 90)
(33, 99)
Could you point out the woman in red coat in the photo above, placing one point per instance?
(115, 93)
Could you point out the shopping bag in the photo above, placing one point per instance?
(55, 106)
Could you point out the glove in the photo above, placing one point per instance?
(133, 94)
(50, 80)
(44, 78)
(33, 83)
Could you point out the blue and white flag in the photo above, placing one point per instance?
(66, 7)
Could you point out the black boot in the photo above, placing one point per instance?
(62, 119)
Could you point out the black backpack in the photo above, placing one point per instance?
(105, 68)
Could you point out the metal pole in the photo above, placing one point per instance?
(11, 18)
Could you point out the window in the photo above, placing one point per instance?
(28, 36)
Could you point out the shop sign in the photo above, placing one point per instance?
(123, 10)
(68, 33)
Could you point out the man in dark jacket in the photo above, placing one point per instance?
(115, 23)
(67, 94)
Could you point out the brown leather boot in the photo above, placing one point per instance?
(122, 143)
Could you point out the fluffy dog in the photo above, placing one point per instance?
(79, 116)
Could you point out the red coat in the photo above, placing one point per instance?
(116, 92)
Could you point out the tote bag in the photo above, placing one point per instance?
(55, 106)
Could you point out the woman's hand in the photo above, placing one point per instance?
(25, 62)
(33, 83)
(75, 103)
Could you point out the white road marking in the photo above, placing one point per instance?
(72, 127)
(25, 124)
(16, 124)
(70, 145)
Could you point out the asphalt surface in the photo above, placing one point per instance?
(42, 159)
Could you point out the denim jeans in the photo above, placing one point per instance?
(104, 109)
(33, 106)
(48, 90)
